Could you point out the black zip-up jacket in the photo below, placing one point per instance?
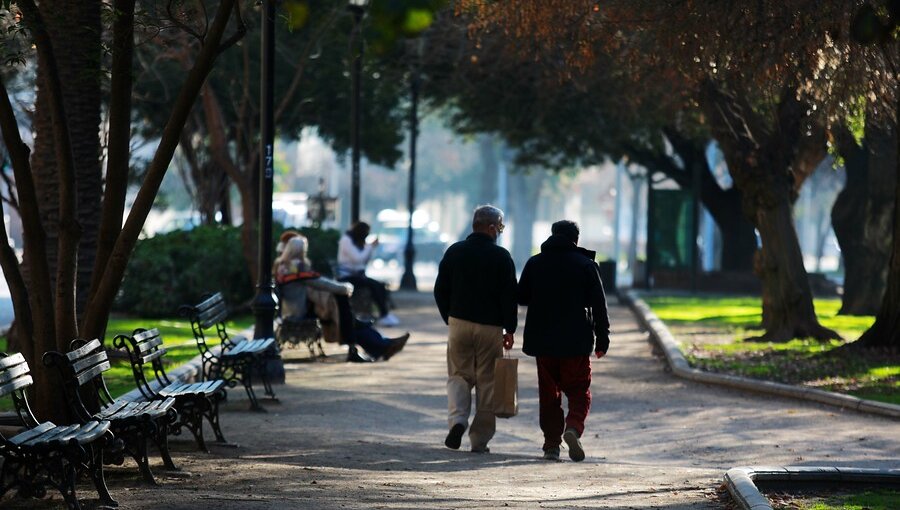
(566, 304)
(477, 282)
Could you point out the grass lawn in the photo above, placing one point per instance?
(874, 499)
(713, 333)
(177, 338)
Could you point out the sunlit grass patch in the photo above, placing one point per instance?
(177, 338)
(716, 334)
(871, 499)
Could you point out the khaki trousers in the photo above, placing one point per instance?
(471, 351)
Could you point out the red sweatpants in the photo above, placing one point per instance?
(571, 376)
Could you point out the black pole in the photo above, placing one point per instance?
(408, 281)
(356, 46)
(264, 302)
(695, 226)
(651, 226)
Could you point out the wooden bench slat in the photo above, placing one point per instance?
(21, 382)
(12, 360)
(32, 433)
(82, 363)
(147, 333)
(149, 358)
(92, 372)
(149, 345)
(13, 372)
(83, 350)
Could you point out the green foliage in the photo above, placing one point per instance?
(169, 270)
(713, 332)
(877, 499)
(744, 314)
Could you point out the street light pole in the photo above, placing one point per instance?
(358, 9)
(264, 301)
(408, 281)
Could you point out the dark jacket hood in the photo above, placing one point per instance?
(558, 243)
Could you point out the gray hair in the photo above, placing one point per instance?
(486, 215)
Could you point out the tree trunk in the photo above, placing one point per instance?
(885, 332)
(524, 192)
(862, 216)
(759, 158)
(490, 165)
(214, 43)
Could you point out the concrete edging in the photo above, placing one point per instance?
(740, 481)
(680, 367)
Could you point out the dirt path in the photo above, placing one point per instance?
(362, 436)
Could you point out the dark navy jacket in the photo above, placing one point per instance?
(566, 305)
(477, 282)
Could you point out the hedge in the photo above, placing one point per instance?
(169, 270)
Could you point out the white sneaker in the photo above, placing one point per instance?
(388, 321)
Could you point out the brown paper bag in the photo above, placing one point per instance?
(506, 387)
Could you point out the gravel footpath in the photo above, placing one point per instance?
(361, 436)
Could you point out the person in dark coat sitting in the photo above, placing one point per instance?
(566, 321)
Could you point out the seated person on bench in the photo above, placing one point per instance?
(330, 300)
(353, 256)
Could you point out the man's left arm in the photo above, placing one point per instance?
(597, 298)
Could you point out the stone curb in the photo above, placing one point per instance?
(740, 480)
(680, 367)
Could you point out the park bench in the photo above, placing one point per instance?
(239, 358)
(45, 454)
(133, 422)
(292, 330)
(194, 401)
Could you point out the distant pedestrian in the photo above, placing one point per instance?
(353, 256)
(475, 292)
(566, 320)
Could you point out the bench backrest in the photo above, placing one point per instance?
(84, 364)
(144, 347)
(211, 312)
(15, 376)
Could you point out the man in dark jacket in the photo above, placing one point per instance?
(566, 320)
(475, 292)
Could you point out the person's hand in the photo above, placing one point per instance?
(508, 340)
(599, 354)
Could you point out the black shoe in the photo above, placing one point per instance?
(397, 345)
(454, 437)
(576, 452)
(355, 356)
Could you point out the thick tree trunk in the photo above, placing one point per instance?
(524, 193)
(759, 159)
(119, 140)
(54, 31)
(862, 216)
(490, 166)
(213, 44)
(885, 332)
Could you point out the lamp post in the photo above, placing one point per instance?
(358, 9)
(408, 281)
(264, 302)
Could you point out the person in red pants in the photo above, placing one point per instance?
(566, 321)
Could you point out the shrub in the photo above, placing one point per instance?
(169, 270)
